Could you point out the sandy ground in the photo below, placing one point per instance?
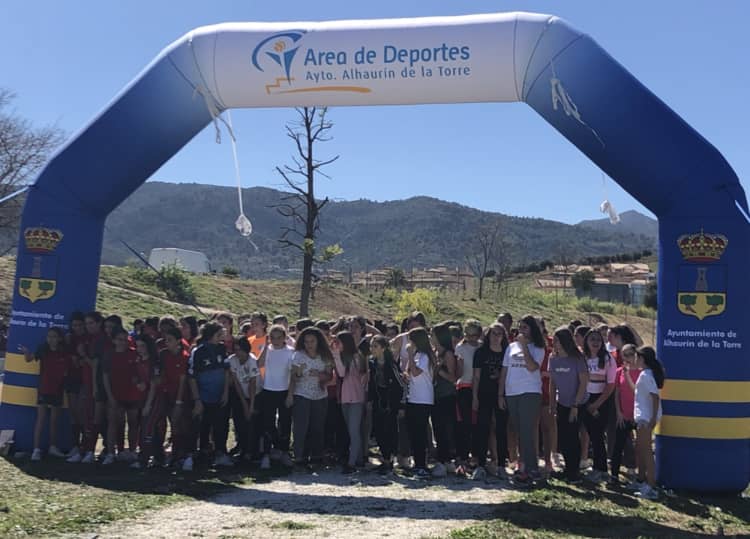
(327, 504)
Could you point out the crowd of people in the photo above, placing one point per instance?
(510, 400)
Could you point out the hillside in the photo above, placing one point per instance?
(122, 292)
(417, 232)
(630, 221)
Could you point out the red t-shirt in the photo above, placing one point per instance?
(627, 394)
(143, 370)
(54, 367)
(123, 375)
(171, 368)
(75, 372)
(617, 357)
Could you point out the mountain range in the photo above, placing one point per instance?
(418, 232)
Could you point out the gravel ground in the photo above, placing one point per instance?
(325, 504)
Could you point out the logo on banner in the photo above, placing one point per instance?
(276, 55)
(41, 283)
(703, 283)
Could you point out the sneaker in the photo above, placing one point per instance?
(126, 456)
(556, 460)
(88, 458)
(501, 473)
(521, 478)
(479, 474)
(36, 456)
(451, 468)
(187, 464)
(53, 451)
(635, 486)
(348, 470)
(585, 464)
(286, 460)
(75, 458)
(109, 459)
(136, 465)
(492, 468)
(73, 452)
(223, 460)
(265, 463)
(403, 462)
(420, 473)
(648, 493)
(577, 480)
(384, 468)
(439, 470)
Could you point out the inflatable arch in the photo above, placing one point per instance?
(704, 233)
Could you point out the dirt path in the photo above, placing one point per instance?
(324, 505)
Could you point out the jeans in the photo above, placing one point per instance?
(215, 424)
(385, 422)
(353, 413)
(524, 411)
(309, 419)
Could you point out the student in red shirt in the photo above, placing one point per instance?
(124, 390)
(55, 362)
(624, 407)
(165, 399)
(74, 381)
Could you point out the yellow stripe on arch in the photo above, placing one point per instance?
(705, 428)
(17, 363)
(18, 395)
(706, 391)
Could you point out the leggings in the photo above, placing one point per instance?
(464, 425)
(596, 427)
(386, 431)
(481, 434)
(622, 435)
(568, 441)
(417, 417)
(215, 423)
(276, 434)
(444, 425)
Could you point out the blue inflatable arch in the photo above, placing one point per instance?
(703, 441)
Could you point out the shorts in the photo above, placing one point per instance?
(73, 386)
(130, 405)
(55, 401)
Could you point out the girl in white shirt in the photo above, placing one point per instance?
(647, 413)
(521, 392)
(601, 386)
(421, 365)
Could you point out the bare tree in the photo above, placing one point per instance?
(483, 254)
(23, 151)
(300, 205)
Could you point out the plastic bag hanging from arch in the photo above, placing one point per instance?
(242, 224)
(606, 206)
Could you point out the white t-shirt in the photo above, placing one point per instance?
(466, 352)
(519, 379)
(645, 386)
(600, 378)
(421, 390)
(278, 368)
(244, 372)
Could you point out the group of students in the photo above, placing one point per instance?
(491, 398)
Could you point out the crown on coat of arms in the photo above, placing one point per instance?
(41, 240)
(702, 247)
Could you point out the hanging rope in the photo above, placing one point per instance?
(14, 194)
(242, 223)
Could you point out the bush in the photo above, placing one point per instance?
(229, 271)
(172, 280)
(420, 299)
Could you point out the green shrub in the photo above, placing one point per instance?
(172, 280)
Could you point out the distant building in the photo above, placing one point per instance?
(615, 282)
(192, 261)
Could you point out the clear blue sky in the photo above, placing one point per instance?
(66, 60)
